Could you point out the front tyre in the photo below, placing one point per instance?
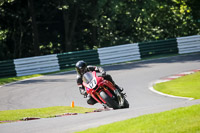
(126, 104)
(109, 101)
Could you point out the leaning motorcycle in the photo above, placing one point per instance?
(103, 91)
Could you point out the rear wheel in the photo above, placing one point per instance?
(110, 102)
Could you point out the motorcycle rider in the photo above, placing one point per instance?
(81, 68)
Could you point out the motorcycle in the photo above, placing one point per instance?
(103, 91)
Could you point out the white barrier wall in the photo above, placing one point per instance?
(35, 65)
(107, 55)
(188, 44)
(117, 54)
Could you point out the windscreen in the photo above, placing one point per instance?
(87, 77)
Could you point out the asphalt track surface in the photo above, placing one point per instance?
(60, 90)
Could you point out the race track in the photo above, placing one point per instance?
(60, 90)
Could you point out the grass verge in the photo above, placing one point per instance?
(186, 86)
(13, 115)
(181, 120)
(14, 79)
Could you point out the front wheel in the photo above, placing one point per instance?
(126, 104)
(109, 101)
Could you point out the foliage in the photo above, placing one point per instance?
(30, 28)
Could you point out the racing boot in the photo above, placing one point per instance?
(119, 88)
(91, 100)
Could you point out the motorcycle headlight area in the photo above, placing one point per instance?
(92, 83)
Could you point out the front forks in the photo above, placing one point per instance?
(119, 98)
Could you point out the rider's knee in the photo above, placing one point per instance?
(91, 101)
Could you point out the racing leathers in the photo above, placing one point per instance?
(90, 100)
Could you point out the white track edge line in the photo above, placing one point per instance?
(160, 93)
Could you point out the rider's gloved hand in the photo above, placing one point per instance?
(85, 95)
(104, 73)
(82, 90)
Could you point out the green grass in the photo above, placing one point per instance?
(181, 120)
(13, 79)
(13, 115)
(186, 86)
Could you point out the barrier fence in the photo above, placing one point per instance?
(107, 55)
(35, 65)
(160, 47)
(67, 60)
(7, 68)
(117, 54)
(189, 44)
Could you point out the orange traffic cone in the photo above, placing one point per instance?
(72, 104)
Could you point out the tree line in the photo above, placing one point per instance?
(39, 27)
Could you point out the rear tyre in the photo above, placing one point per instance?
(110, 102)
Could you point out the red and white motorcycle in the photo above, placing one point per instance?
(103, 91)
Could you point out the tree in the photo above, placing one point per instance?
(34, 27)
(29, 28)
(14, 26)
(70, 22)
